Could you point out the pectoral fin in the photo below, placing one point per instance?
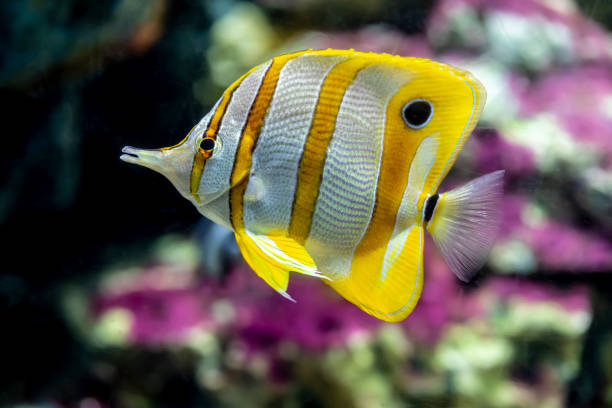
(272, 257)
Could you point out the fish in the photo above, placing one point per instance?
(327, 163)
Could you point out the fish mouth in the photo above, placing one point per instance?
(130, 153)
(169, 164)
(150, 158)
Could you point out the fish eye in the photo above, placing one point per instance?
(207, 144)
(417, 113)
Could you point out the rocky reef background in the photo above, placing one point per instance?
(115, 293)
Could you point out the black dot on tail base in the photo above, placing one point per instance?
(417, 113)
(430, 206)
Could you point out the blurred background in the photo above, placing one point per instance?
(114, 292)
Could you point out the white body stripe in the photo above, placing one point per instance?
(276, 157)
(218, 168)
(405, 220)
(348, 189)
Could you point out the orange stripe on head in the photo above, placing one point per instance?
(242, 162)
(197, 168)
(199, 159)
(179, 143)
(315, 149)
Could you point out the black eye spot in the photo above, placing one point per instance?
(417, 113)
(207, 144)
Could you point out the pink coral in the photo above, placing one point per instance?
(444, 300)
(158, 315)
(566, 248)
(574, 298)
(590, 42)
(492, 152)
(575, 97)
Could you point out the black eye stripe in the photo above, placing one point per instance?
(207, 144)
(417, 113)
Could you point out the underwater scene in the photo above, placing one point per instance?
(117, 292)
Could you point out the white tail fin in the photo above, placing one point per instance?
(465, 221)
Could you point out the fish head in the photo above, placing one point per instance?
(184, 163)
(437, 109)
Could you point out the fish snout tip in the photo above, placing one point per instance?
(129, 154)
(144, 157)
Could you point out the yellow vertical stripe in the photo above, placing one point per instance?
(197, 168)
(322, 128)
(242, 162)
(364, 286)
(199, 158)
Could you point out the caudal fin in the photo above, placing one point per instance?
(465, 221)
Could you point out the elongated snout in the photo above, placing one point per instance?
(174, 163)
(150, 158)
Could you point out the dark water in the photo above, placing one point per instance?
(115, 292)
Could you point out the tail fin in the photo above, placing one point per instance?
(465, 221)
